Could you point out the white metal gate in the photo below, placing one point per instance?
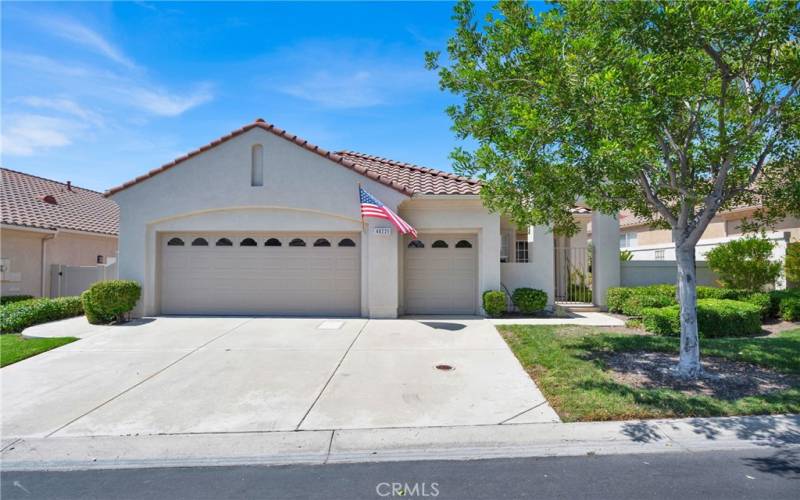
(573, 274)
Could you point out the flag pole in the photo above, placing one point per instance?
(363, 223)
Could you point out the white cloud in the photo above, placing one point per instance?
(348, 73)
(65, 106)
(163, 103)
(27, 134)
(126, 89)
(82, 35)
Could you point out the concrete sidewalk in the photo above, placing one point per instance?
(402, 444)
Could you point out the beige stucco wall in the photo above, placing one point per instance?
(722, 226)
(23, 249)
(302, 191)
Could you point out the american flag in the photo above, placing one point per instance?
(372, 207)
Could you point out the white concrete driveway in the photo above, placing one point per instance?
(172, 375)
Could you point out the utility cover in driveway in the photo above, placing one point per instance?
(264, 274)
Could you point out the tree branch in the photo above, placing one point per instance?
(657, 204)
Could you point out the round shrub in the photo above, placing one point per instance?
(744, 263)
(18, 316)
(106, 301)
(529, 300)
(790, 309)
(791, 263)
(715, 318)
(494, 303)
(776, 297)
(616, 297)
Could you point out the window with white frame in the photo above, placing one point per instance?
(660, 254)
(627, 240)
(504, 247)
(521, 254)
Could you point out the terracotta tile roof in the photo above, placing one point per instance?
(420, 180)
(23, 203)
(406, 178)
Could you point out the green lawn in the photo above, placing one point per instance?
(15, 348)
(579, 389)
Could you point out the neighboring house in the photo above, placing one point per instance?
(646, 243)
(46, 222)
(263, 222)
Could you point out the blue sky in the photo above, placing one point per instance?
(99, 93)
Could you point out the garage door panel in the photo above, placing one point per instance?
(441, 280)
(261, 280)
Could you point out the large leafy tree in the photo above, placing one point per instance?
(674, 110)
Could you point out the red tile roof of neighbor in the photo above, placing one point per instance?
(406, 178)
(27, 200)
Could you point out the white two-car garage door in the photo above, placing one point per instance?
(270, 274)
(441, 274)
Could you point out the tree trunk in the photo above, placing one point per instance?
(689, 364)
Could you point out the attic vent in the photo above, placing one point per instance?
(48, 198)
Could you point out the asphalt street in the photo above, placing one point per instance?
(753, 474)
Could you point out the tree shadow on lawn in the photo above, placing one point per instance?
(760, 429)
(781, 353)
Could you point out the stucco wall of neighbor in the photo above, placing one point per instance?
(789, 225)
(23, 249)
(652, 272)
(460, 215)
(77, 249)
(302, 191)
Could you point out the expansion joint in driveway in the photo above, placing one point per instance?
(331, 377)
(149, 377)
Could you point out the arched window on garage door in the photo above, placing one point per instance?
(175, 242)
(272, 242)
(439, 244)
(200, 242)
(347, 242)
(322, 242)
(297, 242)
(224, 242)
(463, 244)
(248, 242)
(416, 244)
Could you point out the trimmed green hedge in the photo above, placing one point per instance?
(529, 300)
(715, 318)
(106, 301)
(494, 303)
(10, 299)
(17, 316)
(790, 309)
(782, 301)
(630, 301)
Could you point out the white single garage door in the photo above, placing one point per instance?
(441, 274)
(254, 274)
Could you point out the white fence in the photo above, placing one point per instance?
(652, 272)
(66, 281)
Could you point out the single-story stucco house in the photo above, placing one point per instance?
(46, 222)
(262, 222)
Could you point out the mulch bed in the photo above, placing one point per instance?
(723, 379)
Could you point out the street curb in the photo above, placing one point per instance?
(402, 444)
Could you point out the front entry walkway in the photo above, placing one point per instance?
(175, 375)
